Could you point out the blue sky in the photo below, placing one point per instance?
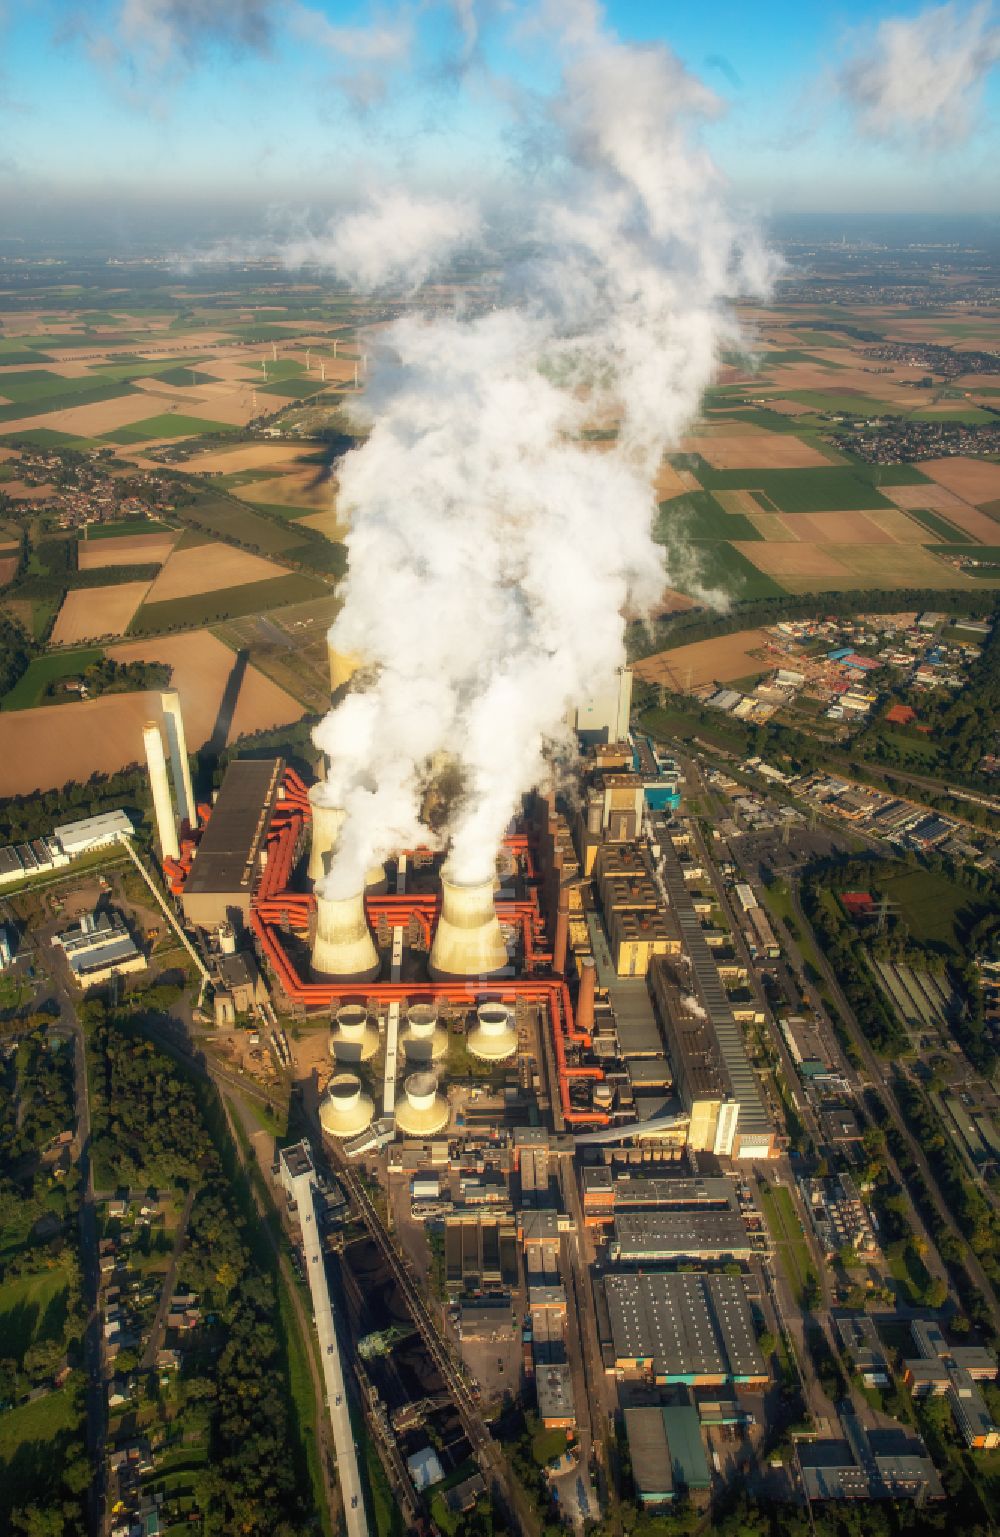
(88, 112)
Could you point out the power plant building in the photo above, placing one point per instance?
(671, 1328)
(229, 858)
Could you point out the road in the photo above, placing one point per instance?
(504, 1488)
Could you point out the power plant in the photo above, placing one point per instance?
(355, 1038)
(346, 1109)
(420, 1110)
(423, 1039)
(493, 1039)
(468, 941)
(343, 944)
(327, 820)
(166, 828)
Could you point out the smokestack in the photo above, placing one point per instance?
(327, 821)
(562, 935)
(585, 997)
(343, 946)
(173, 721)
(160, 786)
(343, 666)
(467, 941)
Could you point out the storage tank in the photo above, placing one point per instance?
(422, 1038)
(468, 941)
(346, 1109)
(343, 946)
(355, 1037)
(327, 820)
(493, 1037)
(420, 1110)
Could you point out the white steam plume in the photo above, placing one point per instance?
(491, 552)
(923, 76)
(399, 239)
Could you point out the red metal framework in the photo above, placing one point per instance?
(275, 907)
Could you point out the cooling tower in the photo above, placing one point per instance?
(173, 722)
(467, 940)
(159, 784)
(327, 821)
(343, 666)
(420, 1110)
(422, 1038)
(355, 1038)
(493, 1037)
(376, 879)
(343, 946)
(345, 1110)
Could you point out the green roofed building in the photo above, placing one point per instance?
(667, 1454)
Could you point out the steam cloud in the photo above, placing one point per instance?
(492, 553)
(924, 76)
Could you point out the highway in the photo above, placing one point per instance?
(348, 1472)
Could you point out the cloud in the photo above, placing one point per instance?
(158, 32)
(923, 77)
(398, 239)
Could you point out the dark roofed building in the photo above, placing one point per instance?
(228, 862)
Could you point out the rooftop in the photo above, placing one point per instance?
(227, 855)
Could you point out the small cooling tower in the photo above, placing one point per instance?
(343, 946)
(420, 1110)
(467, 941)
(422, 1038)
(493, 1037)
(160, 785)
(355, 1038)
(327, 821)
(346, 1109)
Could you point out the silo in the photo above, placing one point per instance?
(173, 723)
(346, 1109)
(327, 821)
(420, 1110)
(422, 1038)
(493, 1037)
(343, 946)
(467, 941)
(160, 785)
(355, 1038)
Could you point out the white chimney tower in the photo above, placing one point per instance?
(160, 786)
(173, 722)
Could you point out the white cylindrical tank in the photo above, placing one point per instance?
(468, 941)
(420, 1110)
(422, 1038)
(493, 1037)
(343, 946)
(355, 1038)
(173, 722)
(160, 785)
(325, 828)
(346, 1109)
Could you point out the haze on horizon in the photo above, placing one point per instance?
(163, 119)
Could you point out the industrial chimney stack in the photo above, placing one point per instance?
(180, 767)
(343, 946)
(468, 941)
(160, 786)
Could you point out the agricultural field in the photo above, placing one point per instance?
(720, 660)
(91, 613)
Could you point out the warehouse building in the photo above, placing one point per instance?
(667, 1453)
(100, 949)
(954, 1372)
(644, 1237)
(229, 858)
(682, 1328)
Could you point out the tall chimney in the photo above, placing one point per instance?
(467, 941)
(173, 721)
(160, 786)
(327, 821)
(562, 935)
(585, 997)
(343, 946)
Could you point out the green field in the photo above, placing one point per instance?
(33, 1308)
(49, 437)
(294, 389)
(936, 524)
(697, 515)
(837, 489)
(171, 424)
(771, 359)
(935, 910)
(126, 526)
(290, 514)
(29, 690)
(231, 602)
(184, 378)
(845, 403)
(720, 566)
(33, 1425)
(972, 416)
(232, 519)
(985, 552)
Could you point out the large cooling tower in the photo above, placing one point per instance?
(376, 879)
(420, 1110)
(356, 1038)
(467, 940)
(327, 821)
(173, 723)
(346, 1109)
(493, 1037)
(160, 786)
(343, 946)
(422, 1038)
